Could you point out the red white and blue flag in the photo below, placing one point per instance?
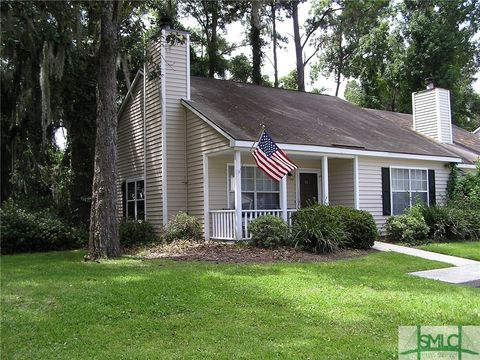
(271, 159)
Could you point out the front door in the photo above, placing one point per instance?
(308, 189)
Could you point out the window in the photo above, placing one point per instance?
(409, 186)
(135, 200)
(259, 192)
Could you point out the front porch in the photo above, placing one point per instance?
(237, 192)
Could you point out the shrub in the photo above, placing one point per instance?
(451, 223)
(318, 229)
(134, 232)
(27, 231)
(268, 231)
(359, 225)
(183, 227)
(464, 190)
(408, 228)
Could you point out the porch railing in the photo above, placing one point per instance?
(222, 222)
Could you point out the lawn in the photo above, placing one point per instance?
(468, 250)
(56, 306)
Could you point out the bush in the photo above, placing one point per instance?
(318, 229)
(28, 231)
(409, 228)
(268, 231)
(359, 225)
(451, 223)
(134, 232)
(183, 227)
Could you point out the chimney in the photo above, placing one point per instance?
(431, 113)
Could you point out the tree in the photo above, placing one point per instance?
(212, 16)
(273, 17)
(345, 29)
(104, 241)
(440, 35)
(354, 93)
(289, 81)
(318, 20)
(422, 39)
(240, 68)
(256, 41)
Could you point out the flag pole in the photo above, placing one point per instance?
(262, 129)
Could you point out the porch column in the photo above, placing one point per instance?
(206, 199)
(238, 194)
(283, 197)
(356, 194)
(325, 180)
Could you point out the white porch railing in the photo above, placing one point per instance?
(222, 222)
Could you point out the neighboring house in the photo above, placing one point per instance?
(184, 145)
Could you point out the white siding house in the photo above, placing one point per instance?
(184, 145)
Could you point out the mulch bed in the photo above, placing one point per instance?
(236, 253)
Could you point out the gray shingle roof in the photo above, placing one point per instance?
(465, 144)
(303, 118)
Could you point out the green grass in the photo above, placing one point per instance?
(56, 306)
(468, 250)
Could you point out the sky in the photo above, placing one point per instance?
(235, 33)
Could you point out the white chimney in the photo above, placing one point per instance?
(431, 113)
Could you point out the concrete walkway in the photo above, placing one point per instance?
(464, 270)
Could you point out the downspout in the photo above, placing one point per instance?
(144, 136)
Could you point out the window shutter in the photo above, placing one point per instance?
(387, 208)
(431, 188)
(124, 198)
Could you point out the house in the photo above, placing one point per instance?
(184, 145)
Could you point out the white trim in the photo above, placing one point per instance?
(188, 66)
(297, 184)
(439, 122)
(201, 116)
(356, 184)
(145, 141)
(163, 80)
(467, 166)
(283, 198)
(206, 200)
(325, 194)
(238, 194)
(134, 180)
(414, 122)
(129, 94)
(231, 206)
(450, 116)
(295, 149)
(409, 185)
(476, 131)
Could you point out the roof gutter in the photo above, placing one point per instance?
(296, 149)
(467, 166)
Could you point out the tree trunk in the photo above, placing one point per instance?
(340, 64)
(298, 48)
(338, 83)
(213, 45)
(104, 241)
(274, 40)
(255, 42)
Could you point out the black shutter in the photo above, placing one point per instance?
(387, 208)
(124, 198)
(431, 188)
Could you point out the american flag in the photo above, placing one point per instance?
(271, 159)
